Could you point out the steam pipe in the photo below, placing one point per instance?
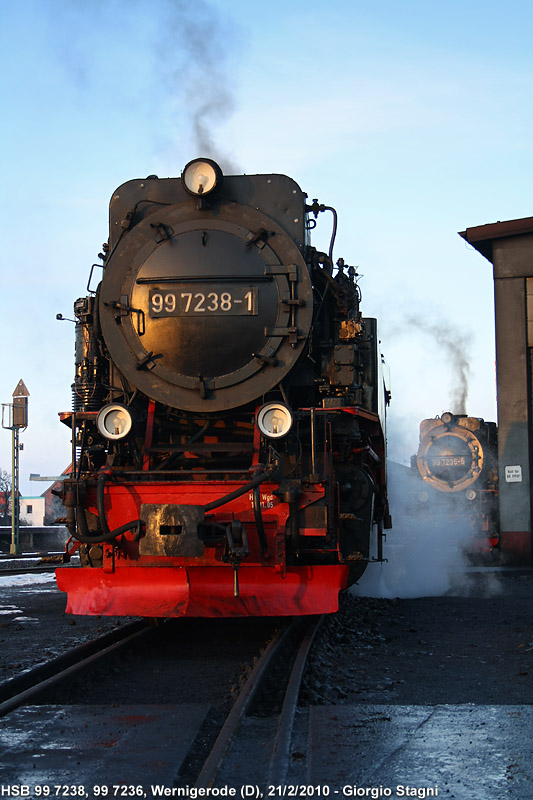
(108, 534)
(77, 520)
(316, 208)
(85, 535)
(227, 498)
(82, 533)
(373, 455)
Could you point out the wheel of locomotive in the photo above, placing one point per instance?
(205, 320)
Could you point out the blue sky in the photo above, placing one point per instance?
(413, 119)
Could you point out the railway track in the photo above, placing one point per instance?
(287, 654)
(127, 707)
(28, 563)
(151, 740)
(28, 687)
(35, 570)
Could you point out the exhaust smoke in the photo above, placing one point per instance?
(454, 346)
(195, 45)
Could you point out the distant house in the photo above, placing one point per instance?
(38, 510)
(31, 510)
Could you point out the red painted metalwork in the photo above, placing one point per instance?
(124, 500)
(133, 582)
(202, 591)
(149, 434)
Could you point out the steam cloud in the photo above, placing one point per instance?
(454, 346)
(428, 555)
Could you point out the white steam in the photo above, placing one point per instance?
(427, 556)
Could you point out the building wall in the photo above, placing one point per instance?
(513, 264)
(32, 510)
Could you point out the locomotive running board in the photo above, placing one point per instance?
(201, 591)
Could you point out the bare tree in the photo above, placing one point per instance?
(5, 497)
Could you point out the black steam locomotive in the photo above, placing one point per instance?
(457, 461)
(228, 440)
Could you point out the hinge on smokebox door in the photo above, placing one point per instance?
(205, 386)
(236, 550)
(147, 360)
(292, 333)
(123, 308)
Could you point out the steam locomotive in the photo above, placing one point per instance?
(457, 461)
(228, 422)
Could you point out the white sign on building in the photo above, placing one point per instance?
(513, 474)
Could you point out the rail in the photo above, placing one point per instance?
(27, 687)
(299, 634)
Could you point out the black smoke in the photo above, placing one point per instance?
(198, 50)
(453, 344)
(170, 60)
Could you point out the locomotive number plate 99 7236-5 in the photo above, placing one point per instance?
(209, 302)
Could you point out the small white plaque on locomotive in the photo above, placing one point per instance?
(187, 301)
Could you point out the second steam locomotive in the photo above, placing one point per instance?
(457, 460)
(228, 441)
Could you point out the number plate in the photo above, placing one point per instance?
(449, 461)
(211, 302)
